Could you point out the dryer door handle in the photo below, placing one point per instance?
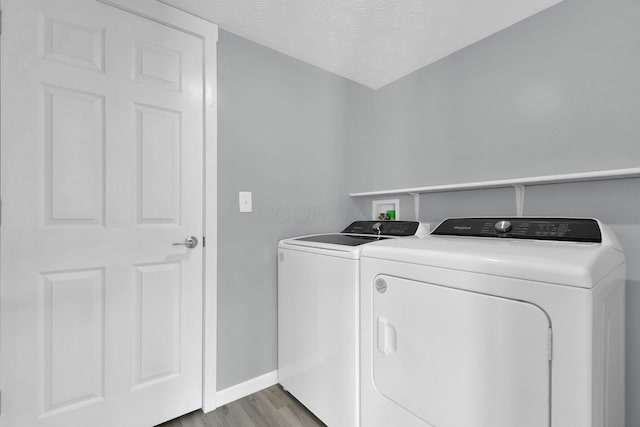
(387, 337)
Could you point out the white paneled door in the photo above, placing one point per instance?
(102, 154)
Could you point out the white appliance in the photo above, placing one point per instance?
(494, 322)
(318, 316)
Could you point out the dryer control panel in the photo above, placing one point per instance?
(384, 228)
(538, 228)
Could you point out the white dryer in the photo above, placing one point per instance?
(494, 322)
(318, 316)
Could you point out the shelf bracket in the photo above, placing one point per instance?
(519, 199)
(416, 204)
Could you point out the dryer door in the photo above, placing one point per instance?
(457, 359)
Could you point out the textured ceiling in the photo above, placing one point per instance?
(373, 42)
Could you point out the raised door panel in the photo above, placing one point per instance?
(159, 133)
(74, 156)
(73, 333)
(158, 322)
(73, 43)
(157, 65)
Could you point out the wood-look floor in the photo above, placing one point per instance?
(271, 407)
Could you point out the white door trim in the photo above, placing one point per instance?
(208, 32)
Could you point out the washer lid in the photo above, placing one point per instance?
(565, 263)
(339, 239)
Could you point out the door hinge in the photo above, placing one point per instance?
(550, 344)
(204, 241)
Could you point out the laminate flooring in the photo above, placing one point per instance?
(271, 407)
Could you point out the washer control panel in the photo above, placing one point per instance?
(384, 228)
(558, 229)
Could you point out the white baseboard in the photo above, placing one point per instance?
(246, 388)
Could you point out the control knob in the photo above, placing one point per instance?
(503, 226)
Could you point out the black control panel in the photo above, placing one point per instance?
(388, 228)
(558, 229)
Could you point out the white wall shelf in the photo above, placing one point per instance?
(518, 184)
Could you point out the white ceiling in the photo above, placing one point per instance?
(372, 42)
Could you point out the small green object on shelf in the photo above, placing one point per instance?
(391, 215)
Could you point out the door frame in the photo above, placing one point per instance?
(208, 33)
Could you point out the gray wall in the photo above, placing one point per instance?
(286, 133)
(557, 93)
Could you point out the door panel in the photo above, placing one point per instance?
(102, 145)
(73, 129)
(158, 138)
(457, 358)
(73, 338)
(157, 308)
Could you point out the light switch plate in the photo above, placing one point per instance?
(245, 201)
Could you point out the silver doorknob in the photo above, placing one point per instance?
(190, 242)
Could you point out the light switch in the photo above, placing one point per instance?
(245, 201)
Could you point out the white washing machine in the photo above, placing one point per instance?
(318, 316)
(494, 322)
